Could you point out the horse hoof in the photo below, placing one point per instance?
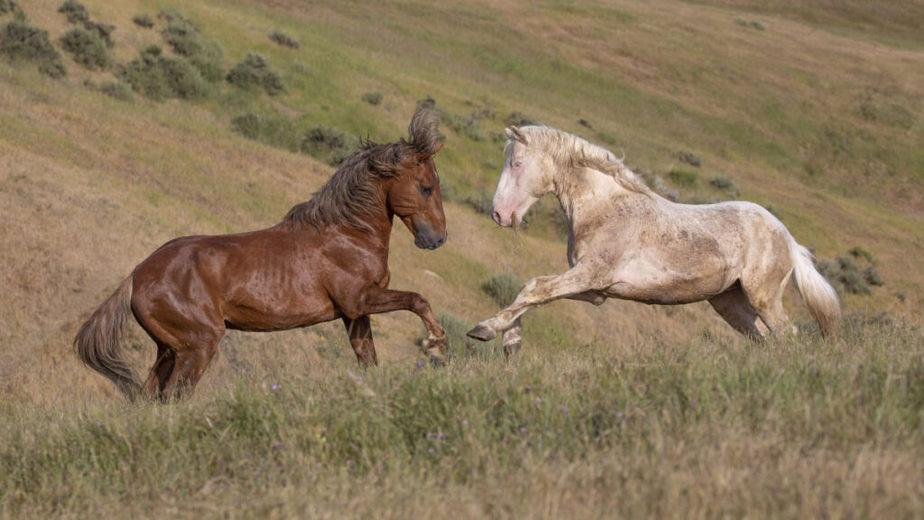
(437, 361)
(481, 333)
(511, 349)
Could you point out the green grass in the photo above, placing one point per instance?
(675, 419)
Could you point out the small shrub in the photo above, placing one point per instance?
(859, 252)
(689, 158)
(753, 24)
(844, 274)
(87, 48)
(481, 203)
(725, 184)
(683, 178)
(159, 77)
(271, 129)
(183, 37)
(519, 119)
(470, 126)
(143, 20)
(330, 144)
(104, 31)
(75, 11)
(427, 102)
(373, 98)
(20, 41)
(459, 344)
(503, 288)
(255, 72)
(7, 6)
(284, 39)
(117, 90)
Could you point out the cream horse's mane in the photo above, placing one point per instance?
(569, 151)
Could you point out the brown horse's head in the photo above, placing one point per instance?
(414, 194)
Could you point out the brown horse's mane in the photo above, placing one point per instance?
(351, 194)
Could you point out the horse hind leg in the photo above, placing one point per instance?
(360, 332)
(735, 308)
(182, 357)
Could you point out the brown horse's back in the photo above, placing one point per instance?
(242, 278)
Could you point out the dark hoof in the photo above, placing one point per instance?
(437, 361)
(511, 349)
(481, 333)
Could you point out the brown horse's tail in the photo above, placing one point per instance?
(817, 293)
(97, 343)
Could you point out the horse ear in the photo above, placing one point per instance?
(515, 133)
(422, 156)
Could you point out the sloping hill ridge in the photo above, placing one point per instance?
(818, 117)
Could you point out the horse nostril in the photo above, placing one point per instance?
(496, 216)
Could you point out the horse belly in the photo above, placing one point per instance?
(268, 308)
(660, 284)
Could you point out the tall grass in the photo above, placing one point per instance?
(794, 428)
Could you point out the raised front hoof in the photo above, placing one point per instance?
(481, 333)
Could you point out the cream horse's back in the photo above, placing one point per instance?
(627, 242)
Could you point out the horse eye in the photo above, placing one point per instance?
(426, 190)
(517, 164)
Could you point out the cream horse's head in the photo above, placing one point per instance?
(527, 176)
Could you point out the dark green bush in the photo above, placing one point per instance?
(373, 98)
(117, 89)
(689, 158)
(519, 119)
(255, 72)
(159, 77)
(104, 31)
(20, 41)
(272, 129)
(7, 6)
(329, 144)
(75, 11)
(143, 20)
(725, 184)
(847, 276)
(470, 126)
(503, 288)
(184, 38)
(683, 178)
(86, 47)
(284, 39)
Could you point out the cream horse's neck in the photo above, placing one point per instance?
(586, 194)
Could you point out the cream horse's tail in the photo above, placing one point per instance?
(817, 293)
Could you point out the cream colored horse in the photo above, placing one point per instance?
(625, 241)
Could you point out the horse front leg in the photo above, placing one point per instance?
(539, 290)
(376, 300)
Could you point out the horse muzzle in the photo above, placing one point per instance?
(429, 240)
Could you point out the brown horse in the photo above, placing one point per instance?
(327, 259)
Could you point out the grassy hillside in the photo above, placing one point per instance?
(814, 112)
